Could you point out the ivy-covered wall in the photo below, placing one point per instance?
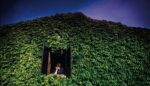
(104, 53)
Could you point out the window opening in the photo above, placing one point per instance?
(56, 63)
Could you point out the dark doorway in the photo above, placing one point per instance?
(50, 60)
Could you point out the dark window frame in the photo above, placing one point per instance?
(48, 56)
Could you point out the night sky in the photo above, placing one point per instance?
(130, 12)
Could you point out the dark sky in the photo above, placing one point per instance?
(130, 12)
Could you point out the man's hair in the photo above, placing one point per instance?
(58, 64)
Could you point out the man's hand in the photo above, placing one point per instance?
(57, 68)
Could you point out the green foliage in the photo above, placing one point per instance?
(56, 42)
(104, 53)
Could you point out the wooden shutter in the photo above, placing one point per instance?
(49, 63)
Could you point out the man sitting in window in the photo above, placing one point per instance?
(59, 69)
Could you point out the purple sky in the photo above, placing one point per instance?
(130, 12)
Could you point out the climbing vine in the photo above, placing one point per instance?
(104, 53)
